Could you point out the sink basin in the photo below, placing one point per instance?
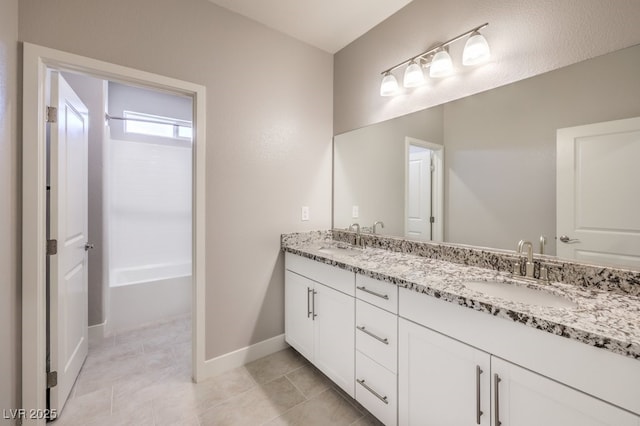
(518, 293)
(340, 251)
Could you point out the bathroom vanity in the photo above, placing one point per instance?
(410, 340)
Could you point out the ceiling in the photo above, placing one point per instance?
(327, 24)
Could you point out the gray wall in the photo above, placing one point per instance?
(10, 366)
(269, 128)
(526, 37)
(369, 169)
(90, 90)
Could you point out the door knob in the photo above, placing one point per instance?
(88, 246)
(567, 240)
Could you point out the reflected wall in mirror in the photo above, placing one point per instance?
(500, 145)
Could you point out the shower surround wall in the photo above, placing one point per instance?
(149, 211)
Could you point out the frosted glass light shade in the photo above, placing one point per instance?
(389, 85)
(413, 75)
(476, 50)
(441, 65)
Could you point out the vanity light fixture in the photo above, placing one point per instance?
(476, 51)
(389, 86)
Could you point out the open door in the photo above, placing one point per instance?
(67, 272)
(598, 199)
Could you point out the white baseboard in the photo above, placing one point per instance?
(240, 357)
(98, 332)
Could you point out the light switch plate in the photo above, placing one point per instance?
(355, 212)
(304, 213)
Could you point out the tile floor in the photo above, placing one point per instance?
(142, 377)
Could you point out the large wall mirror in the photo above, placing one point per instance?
(498, 153)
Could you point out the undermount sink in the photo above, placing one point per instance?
(519, 293)
(340, 250)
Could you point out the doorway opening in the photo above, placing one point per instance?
(423, 213)
(39, 63)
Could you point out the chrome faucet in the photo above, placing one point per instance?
(529, 264)
(358, 236)
(376, 223)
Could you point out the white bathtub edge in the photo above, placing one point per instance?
(240, 357)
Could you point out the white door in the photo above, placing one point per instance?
(441, 382)
(68, 324)
(598, 198)
(418, 199)
(334, 336)
(525, 398)
(298, 325)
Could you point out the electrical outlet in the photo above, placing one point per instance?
(355, 212)
(304, 213)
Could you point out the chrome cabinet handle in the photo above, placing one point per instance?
(313, 304)
(380, 339)
(366, 290)
(309, 312)
(496, 400)
(478, 410)
(376, 394)
(567, 240)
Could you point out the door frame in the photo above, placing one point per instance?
(36, 61)
(437, 185)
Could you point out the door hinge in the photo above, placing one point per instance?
(52, 379)
(432, 219)
(52, 247)
(52, 114)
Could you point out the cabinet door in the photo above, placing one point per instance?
(526, 398)
(298, 321)
(334, 342)
(441, 381)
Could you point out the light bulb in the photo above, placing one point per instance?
(441, 65)
(413, 75)
(389, 85)
(476, 50)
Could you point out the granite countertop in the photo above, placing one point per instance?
(601, 318)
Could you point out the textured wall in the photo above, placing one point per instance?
(269, 127)
(10, 301)
(526, 38)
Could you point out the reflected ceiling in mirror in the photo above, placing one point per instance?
(499, 154)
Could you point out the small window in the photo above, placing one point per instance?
(154, 125)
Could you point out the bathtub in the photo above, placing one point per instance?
(148, 294)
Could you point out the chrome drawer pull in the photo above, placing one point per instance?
(364, 330)
(382, 296)
(478, 410)
(496, 399)
(308, 304)
(376, 394)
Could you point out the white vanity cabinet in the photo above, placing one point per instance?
(377, 348)
(320, 316)
(452, 371)
(523, 398)
(441, 381)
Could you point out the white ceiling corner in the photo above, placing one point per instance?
(327, 24)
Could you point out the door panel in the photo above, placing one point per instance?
(437, 379)
(68, 225)
(418, 208)
(334, 341)
(529, 399)
(298, 326)
(597, 194)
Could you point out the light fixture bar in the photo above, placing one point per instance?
(434, 49)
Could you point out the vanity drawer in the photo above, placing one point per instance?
(377, 334)
(376, 292)
(376, 389)
(331, 276)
